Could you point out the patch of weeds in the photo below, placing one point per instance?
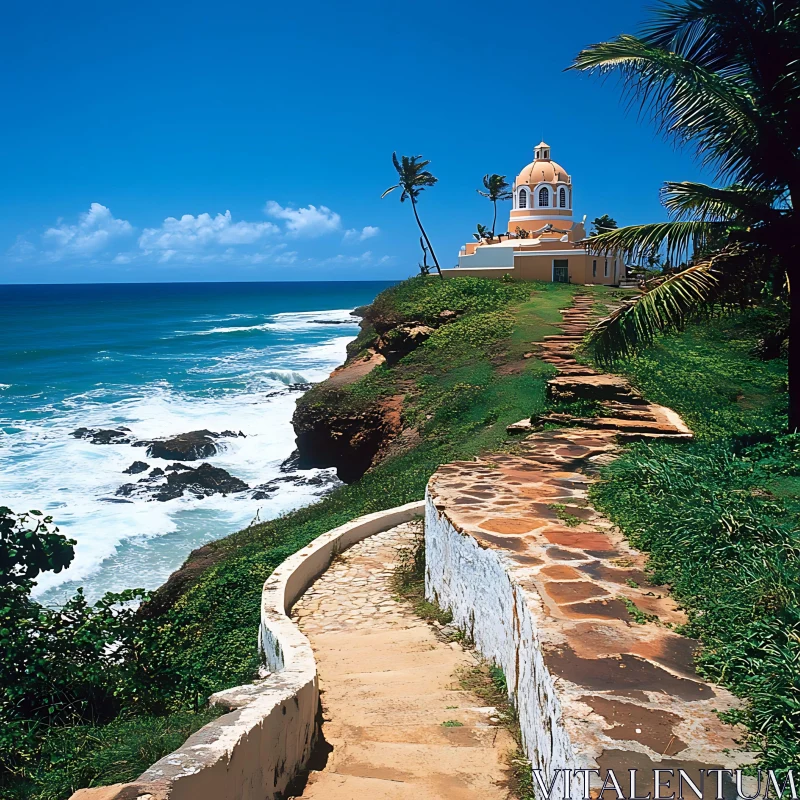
(452, 723)
(639, 616)
(488, 682)
(570, 520)
(632, 583)
(408, 581)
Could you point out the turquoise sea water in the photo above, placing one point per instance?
(161, 359)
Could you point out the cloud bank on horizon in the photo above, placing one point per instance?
(100, 237)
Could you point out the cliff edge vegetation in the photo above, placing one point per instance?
(443, 365)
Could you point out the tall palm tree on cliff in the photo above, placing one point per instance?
(724, 77)
(496, 189)
(414, 179)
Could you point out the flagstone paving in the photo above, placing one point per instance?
(629, 692)
(399, 724)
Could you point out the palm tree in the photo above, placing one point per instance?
(496, 189)
(483, 233)
(414, 179)
(724, 77)
(604, 223)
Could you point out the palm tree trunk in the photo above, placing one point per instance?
(794, 356)
(790, 264)
(494, 221)
(430, 246)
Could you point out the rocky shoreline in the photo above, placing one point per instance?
(178, 479)
(331, 430)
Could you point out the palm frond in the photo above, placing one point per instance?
(666, 305)
(678, 238)
(389, 191)
(686, 101)
(737, 204)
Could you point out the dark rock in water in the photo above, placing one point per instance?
(190, 446)
(231, 435)
(104, 435)
(291, 464)
(333, 321)
(115, 499)
(136, 468)
(201, 482)
(299, 387)
(266, 490)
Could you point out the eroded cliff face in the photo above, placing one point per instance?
(336, 427)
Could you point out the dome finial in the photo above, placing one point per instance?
(542, 151)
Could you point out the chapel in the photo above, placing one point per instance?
(543, 241)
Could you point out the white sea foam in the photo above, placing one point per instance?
(288, 321)
(141, 542)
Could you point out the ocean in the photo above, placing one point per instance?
(161, 360)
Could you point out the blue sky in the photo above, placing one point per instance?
(166, 141)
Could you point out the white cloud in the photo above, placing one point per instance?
(21, 250)
(196, 233)
(99, 237)
(353, 235)
(309, 222)
(94, 232)
(366, 258)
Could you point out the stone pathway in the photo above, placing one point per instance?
(627, 685)
(399, 724)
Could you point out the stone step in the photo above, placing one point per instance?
(330, 786)
(415, 763)
(589, 387)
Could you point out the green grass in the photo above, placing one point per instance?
(460, 395)
(86, 755)
(709, 376)
(719, 517)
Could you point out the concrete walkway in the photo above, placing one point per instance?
(399, 724)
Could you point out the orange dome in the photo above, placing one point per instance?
(543, 169)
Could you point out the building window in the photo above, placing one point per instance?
(605, 271)
(562, 197)
(544, 197)
(523, 198)
(594, 268)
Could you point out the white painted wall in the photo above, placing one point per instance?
(488, 255)
(475, 584)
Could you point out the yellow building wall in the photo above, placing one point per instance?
(540, 268)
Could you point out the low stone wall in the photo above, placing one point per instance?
(553, 594)
(254, 751)
(477, 585)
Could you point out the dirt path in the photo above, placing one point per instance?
(399, 725)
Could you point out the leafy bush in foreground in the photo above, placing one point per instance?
(72, 665)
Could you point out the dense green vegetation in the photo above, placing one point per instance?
(719, 516)
(462, 388)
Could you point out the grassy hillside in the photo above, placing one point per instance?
(719, 516)
(462, 387)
